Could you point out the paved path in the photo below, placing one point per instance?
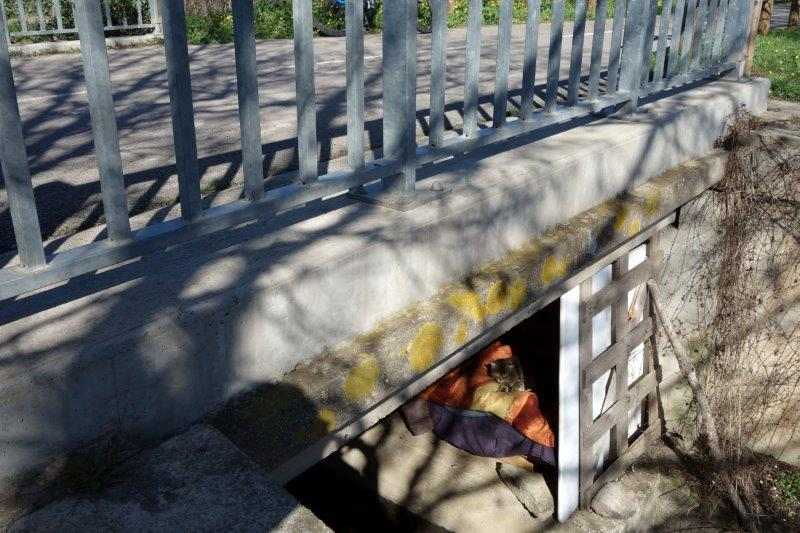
(56, 120)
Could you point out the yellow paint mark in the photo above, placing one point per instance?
(461, 332)
(361, 381)
(468, 303)
(554, 268)
(652, 203)
(505, 297)
(423, 350)
(325, 422)
(627, 222)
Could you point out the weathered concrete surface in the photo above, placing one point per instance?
(197, 481)
(143, 349)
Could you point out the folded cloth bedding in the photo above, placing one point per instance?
(471, 412)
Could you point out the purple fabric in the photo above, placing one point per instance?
(485, 435)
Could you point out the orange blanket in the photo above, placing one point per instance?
(470, 387)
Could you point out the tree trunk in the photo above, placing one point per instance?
(750, 50)
(794, 14)
(765, 17)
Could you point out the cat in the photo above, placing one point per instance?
(508, 374)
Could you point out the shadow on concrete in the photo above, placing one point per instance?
(146, 353)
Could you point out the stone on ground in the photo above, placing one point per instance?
(529, 488)
(615, 501)
(197, 481)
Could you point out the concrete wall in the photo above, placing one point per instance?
(141, 350)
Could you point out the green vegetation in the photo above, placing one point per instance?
(274, 18)
(788, 484)
(777, 57)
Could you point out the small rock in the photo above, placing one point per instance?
(613, 500)
(529, 488)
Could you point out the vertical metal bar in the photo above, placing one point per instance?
(632, 48)
(438, 70)
(5, 33)
(675, 45)
(687, 36)
(471, 92)
(719, 31)
(410, 145)
(155, 18)
(599, 31)
(107, 10)
(22, 15)
(57, 14)
(40, 15)
(699, 34)
(529, 61)
(244, 40)
(554, 55)
(182, 108)
(89, 21)
(576, 59)
(393, 88)
(651, 12)
(354, 20)
(503, 64)
(304, 85)
(14, 161)
(615, 50)
(663, 36)
(139, 12)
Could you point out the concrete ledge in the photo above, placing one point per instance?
(147, 347)
(73, 47)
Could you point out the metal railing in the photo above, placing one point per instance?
(55, 18)
(695, 39)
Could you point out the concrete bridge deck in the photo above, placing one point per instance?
(334, 309)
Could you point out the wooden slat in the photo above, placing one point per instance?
(503, 64)
(617, 414)
(471, 90)
(608, 358)
(616, 469)
(89, 21)
(663, 36)
(585, 337)
(247, 93)
(438, 70)
(14, 160)
(307, 150)
(554, 55)
(621, 326)
(616, 46)
(598, 39)
(180, 98)
(609, 294)
(529, 60)
(139, 19)
(576, 57)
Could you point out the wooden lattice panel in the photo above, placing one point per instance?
(617, 398)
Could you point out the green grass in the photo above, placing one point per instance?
(777, 57)
(789, 486)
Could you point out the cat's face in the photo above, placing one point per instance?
(507, 373)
